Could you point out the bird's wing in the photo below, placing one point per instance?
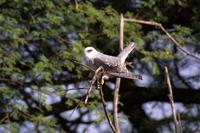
(128, 75)
(125, 52)
(109, 63)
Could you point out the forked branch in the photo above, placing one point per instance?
(99, 79)
(167, 33)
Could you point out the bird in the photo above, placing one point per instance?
(112, 65)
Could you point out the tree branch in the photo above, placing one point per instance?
(105, 111)
(171, 99)
(165, 31)
(118, 80)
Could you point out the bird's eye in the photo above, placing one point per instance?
(89, 50)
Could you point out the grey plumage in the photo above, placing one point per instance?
(113, 65)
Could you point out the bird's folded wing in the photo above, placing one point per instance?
(127, 75)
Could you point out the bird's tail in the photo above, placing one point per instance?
(125, 52)
(128, 75)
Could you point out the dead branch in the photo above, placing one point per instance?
(167, 33)
(92, 83)
(118, 80)
(121, 34)
(171, 99)
(99, 78)
(105, 110)
(115, 104)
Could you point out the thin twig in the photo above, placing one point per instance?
(95, 77)
(167, 33)
(90, 88)
(98, 76)
(170, 95)
(3, 119)
(115, 104)
(179, 120)
(105, 110)
(79, 103)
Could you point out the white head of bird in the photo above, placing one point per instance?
(90, 52)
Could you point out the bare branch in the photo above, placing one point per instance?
(105, 111)
(99, 77)
(92, 83)
(165, 31)
(118, 80)
(121, 34)
(115, 104)
(171, 99)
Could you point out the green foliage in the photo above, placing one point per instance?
(165, 55)
(41, 68)
(94, 104)
(158, 10)
(8, 62)
(42, 120)
(182, 34)
(6, 93)
(14, 127)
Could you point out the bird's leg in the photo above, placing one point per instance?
(100, 77)
(104, 77)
